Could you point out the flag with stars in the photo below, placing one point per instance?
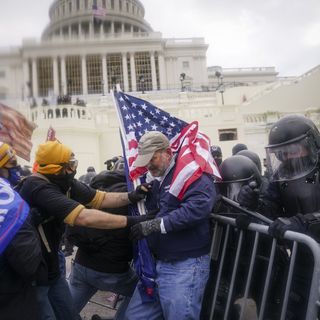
(138, 116)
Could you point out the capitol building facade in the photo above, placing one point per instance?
(64, 80)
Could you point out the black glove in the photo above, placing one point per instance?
(296, 223)
(249, 195)
(243, 221)
(140, 192)
(143, 229)
(132, 220)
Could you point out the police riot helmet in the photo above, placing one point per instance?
(237, 171)
(238, 147)
(292, 152)
(216, 154)
(253, 156)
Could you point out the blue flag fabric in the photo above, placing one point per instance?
(143, 260)
(13, 212)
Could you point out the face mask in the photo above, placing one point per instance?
(64, 182)
(14, 175)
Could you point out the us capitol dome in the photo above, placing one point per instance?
(64, 80)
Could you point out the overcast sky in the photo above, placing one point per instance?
(240, 33)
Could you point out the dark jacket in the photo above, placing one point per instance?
(18, 266)
(186, 222)
(108, 251)
(50, 207)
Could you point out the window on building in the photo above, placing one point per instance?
(2, 74)
(120, 5)
(114, 70)
(143, 69)
(63, 10)
(104, 3)
(78, 5)
(70, 7)
(112, 4)
(45, 76)
(73, 75)
(228, 134)
(127, 5)
(94, 74)
(86, 4)
(185, 64)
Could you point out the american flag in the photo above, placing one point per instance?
(138, 116)
(51, 134)
(98, 12)
(16, 130)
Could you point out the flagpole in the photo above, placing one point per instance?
(136, 182)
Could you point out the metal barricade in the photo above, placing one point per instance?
(224, 228)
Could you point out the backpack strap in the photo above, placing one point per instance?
(41, 176)
(40, 227)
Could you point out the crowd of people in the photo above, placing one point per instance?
(92, 214)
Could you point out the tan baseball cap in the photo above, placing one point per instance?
(149, 143)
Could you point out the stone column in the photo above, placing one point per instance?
(70, 31)
(162, 71)
(35, 92)
(55, 76)
(84, 75)
(63, 76)
(125, 72)
(133, 72)
(26, 80)
(122, 27)
(112, 27)
(153, 71)
(101, 29)
(105, 75)
(79, 30)
(91, 30)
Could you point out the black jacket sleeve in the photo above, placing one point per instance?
(24, 251)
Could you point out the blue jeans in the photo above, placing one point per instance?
(55, 301)
(85, 282)
(180, 288)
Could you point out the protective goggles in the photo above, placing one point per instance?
(72, 164)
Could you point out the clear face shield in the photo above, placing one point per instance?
(292, 160)
(231, 189)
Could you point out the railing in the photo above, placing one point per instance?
(61, 111)
(260, 280)
(237, 70)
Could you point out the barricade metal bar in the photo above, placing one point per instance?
(220, 271)
(216, 241)
(314, 294)
(297, 238)
(234, 272)
(289, 280)
(268, 277)
(252, 261)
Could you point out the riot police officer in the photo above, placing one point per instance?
(236, 171)
(293, 163)
(293, 196)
